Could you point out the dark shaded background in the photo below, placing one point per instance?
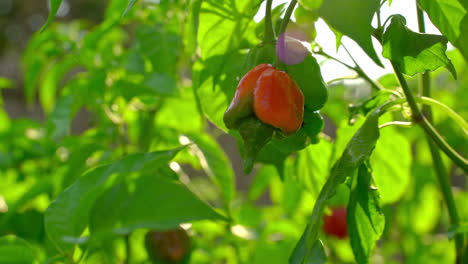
(19, 20)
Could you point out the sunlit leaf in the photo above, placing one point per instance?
(392, 178)
(313, 164)
(60, 118)
(309, 78)
(356, 152)
(311, 4)
(131, 3)
(339, 14)
(15, 250)
(365, 220)
(215, 163)
(304, 255)
(68, 215)
(222, 28)
(451, 18)
(414, 52)
(154, 202)
(54, 7)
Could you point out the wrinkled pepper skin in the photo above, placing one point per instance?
(242, 104)
(269, 94)
(278, 101)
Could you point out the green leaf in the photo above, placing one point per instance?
(414, 52)
(14, 250)
(223, 26)
(277, 150)
(451, 18)
(160, 46)
(67, 215)
(130, 5)
(392, 177)
(313, 164)
(311, 4)
(123, 209)
(356, 152)
(51, 81)
(5, 83)
(309, 78)
(54, 7)
(59, 120)
(214, 98)
(316, 254)
(216, 165)
(255, 135)
(162, 84)
(364, 217)
(338, 14)
(366, 105)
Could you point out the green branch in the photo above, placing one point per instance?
(356, 68)
(449, 111)
(443, 178)
(269, 32)
(287, 16)
(420, 119)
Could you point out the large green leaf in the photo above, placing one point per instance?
(14, 250)
(414, 52)
(313, 164)
(60, 118)
(51, 81)
(353, 18)
(392, 177)
(214, 98)
(153, 201)
(131, 3)
(160, 46)
(309, 78)
(356, 152)
(54, 7)
(365, 220)
(303, 255)
(216, 165)
(311, 4)
(451, 18)
(223, 26)
(67, 215)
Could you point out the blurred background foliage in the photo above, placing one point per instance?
(95, 87)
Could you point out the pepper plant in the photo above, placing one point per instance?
(352, 170)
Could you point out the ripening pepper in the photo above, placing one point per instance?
(269, 94)
(170, 246)
(335, 224)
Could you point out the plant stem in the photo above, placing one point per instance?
(427, 101)
(287, 16)
(443, 178)
(356, 68)
(269, 32)
(396, 123)
(361, 73)
(419, 118)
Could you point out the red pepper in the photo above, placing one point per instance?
(170, 246)
(269, 94)
(335, 224)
